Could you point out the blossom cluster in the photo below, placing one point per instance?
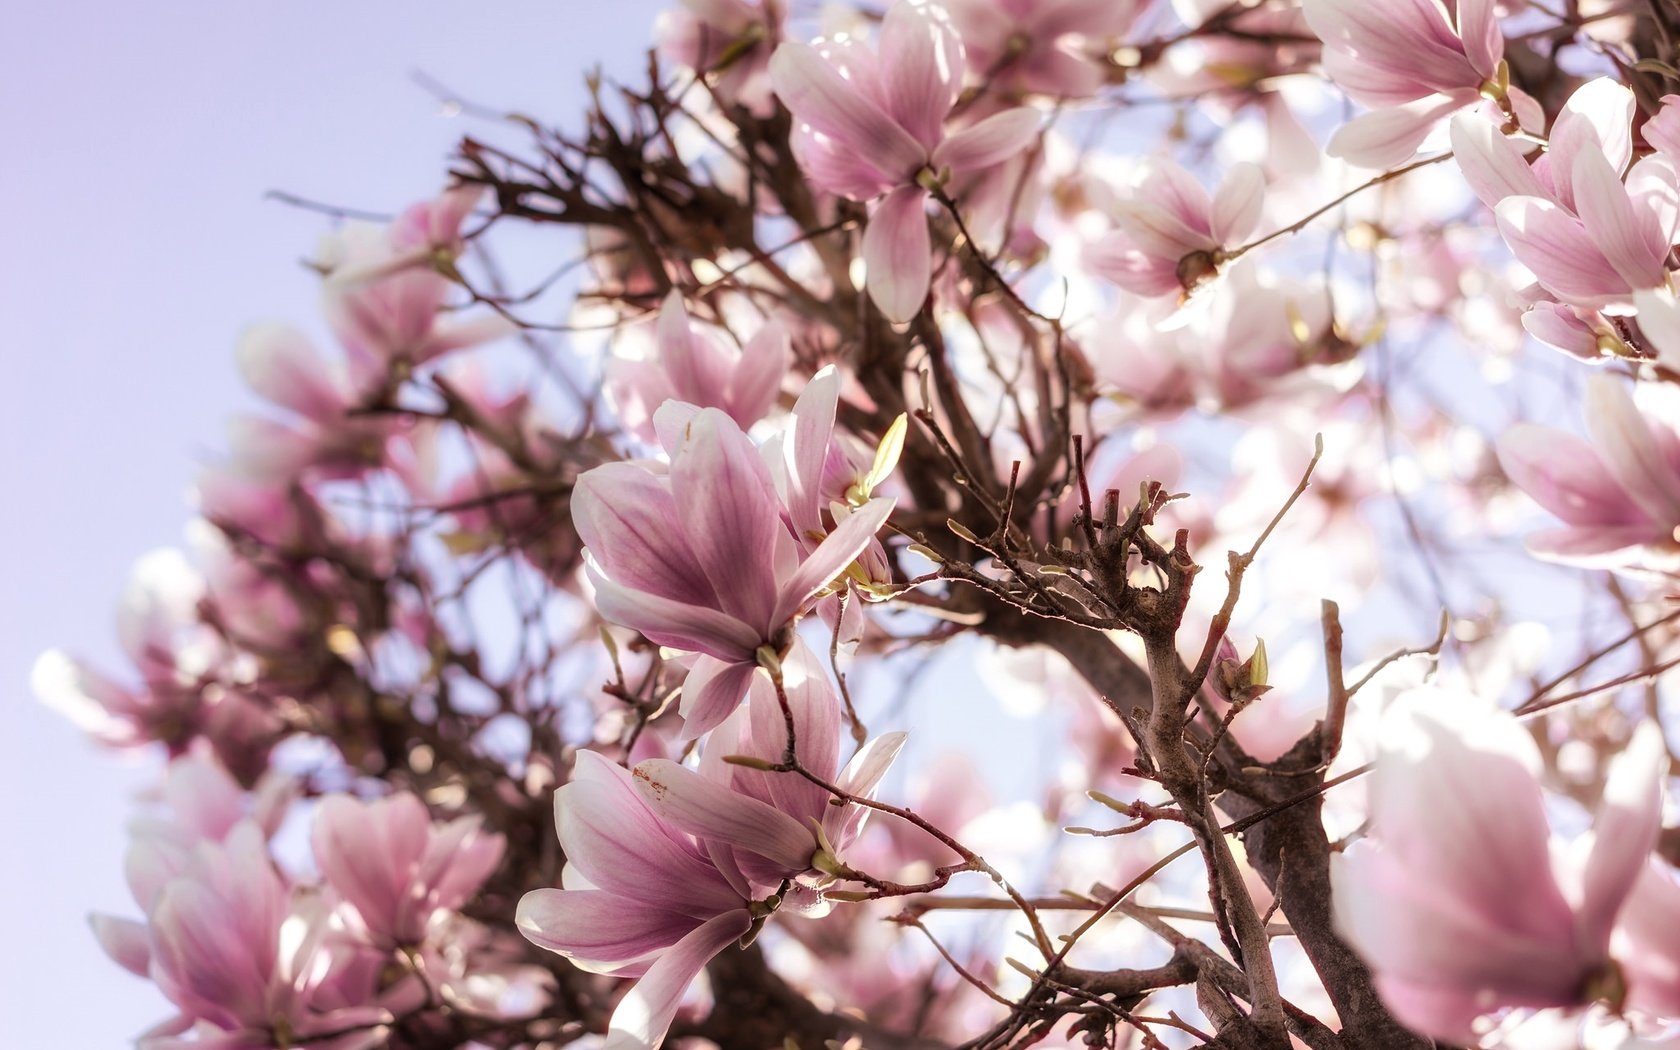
(540, 651)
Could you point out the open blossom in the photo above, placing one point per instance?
(1412, 62)
(1618, 495)
(397, 870)
(1456, 901)
(641, 899)
(872, 125)
(696, 366)
(698, 557)
(1592, 224)
(248, 963)
(1169, 232)
(384, 295)
(666, 866)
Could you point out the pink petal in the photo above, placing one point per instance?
(1659, 322)
(1635, 249)
(1385, 138)
(644, 1015)
(280, 363)
(1565, 475)
(1492, 164)
(1556, 246)
(627, 517)
(807, 451)
(712, 690)
(673, 622)
(1237, 205)
(921, 68)
(597, 927)
(832, 556)
(1478, 27)
(616, 842)
(898, 254)
(125, 941)
(861, 776)
(817, 95)
(1646, 945)
(1623, 437)
(728, 509)
(1624, 833)
(708, 810)
(994, 140)
(758, 375)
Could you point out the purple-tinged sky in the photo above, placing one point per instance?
(139, 140)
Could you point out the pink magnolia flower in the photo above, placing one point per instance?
(385, 290)
(666, 866)
(1170, 232)
(1048, 47)
(640, 899)
(699, 558)
(1412, 63)
(218, 953)
(397, 870)
(1615, 243)
(1593, 229)
(872, 125)
(731, 40)
(1619, 495)
(1455, 900)
(696, 366)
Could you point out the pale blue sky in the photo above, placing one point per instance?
(138, 142)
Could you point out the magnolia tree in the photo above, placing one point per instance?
(782, 560)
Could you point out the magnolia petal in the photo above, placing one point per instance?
(898, 254)
(712, 690)
(1635, 249)
(1623, 437)
(598, 927)
(807, 450)
(1491, 163)
(728, 508)
(992, 141)
(709, 810)
(1237, 205)
(618, 844)
(644, 1015)
(1385, 138)
(921, 69)
(1565, 475)
(1556, 246)
(1624, 833)
(1659, 322)
(860, 778)
(125, 941)
(833, 554)
(818, 95)
(1478, 27)
(678, 624)
(280, 363)
(758, 375)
